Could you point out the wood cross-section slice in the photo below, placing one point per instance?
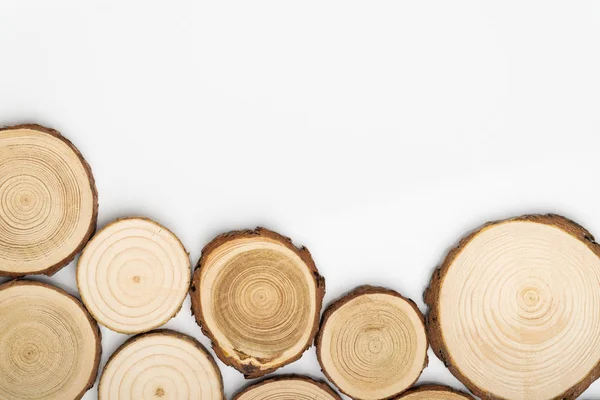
(133, 275)
(161, 365)
(288, 387)
(434, 392)
(515, 309)
(48, 201)
(49, 344)
(258, 298)
(372, 343)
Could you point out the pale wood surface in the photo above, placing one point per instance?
(161, 365)
(288, 388)
(133, 275)
(48, 201)
(49, 344)
(515, 309)
(372, 343)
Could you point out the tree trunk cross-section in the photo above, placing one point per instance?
(161, 365)
(288, 387)
(133, 275)
(258, 298)
(515, 309)
(48, 201)
(434, 392)
(372, 343)
(49, 344)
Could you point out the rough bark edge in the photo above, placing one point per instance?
(249, 371)
(51, 270)
(431, 298)
(291, 377)
(353, 294)
(165, 332)
(167, 319)
(434, 388)
(95, 329)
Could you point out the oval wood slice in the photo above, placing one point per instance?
(290, 387)
(515, 309)
(48, 201)
(133, 275)
(258, 298)
(434, 392)
(49, 344)
(161, 365)
(372, 343)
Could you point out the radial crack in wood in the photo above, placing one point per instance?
(372, 343)
(133, 275)
(49, 344)
(288, 387)
(161, 365)
(258, 298)
(434, 392)
(48, 201)
(515, 309)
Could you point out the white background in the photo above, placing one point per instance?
(374, 133)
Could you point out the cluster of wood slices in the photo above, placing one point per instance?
(513, 311)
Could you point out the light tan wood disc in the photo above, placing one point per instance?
(372, 343)
(161, 365)
(291, 387)
(434, 392)
(258, 298)
(48, 201)
(515, 309)
(49, 345)
(133, 275)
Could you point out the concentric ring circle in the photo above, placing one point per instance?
(434, 392)
(162, 365)
(133, 275)
(292, 387)
(515, 309)
(49, 345)
(48, 201)
(258, 298)
(372, 343)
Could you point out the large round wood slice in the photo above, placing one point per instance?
(258, 298)
(49, 344)
(48, 201)
(434, 392)
(161, 365)
(288, 387)
(133, 275)
(372, 343)
(515, 309)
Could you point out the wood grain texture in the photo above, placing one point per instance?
(288, 387)
(161, 365)
(133, 275)
(258, 298)
(48, 201)
(49, 344)
(434, 392)
(515, 309)
(372, 343)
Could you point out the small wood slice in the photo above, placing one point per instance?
(48, 201)
(434, 392)
(161, 365)
(49, 344)
(288, 387)
(258, 298)
(372, 343)
(515, 309)
(133, 275)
